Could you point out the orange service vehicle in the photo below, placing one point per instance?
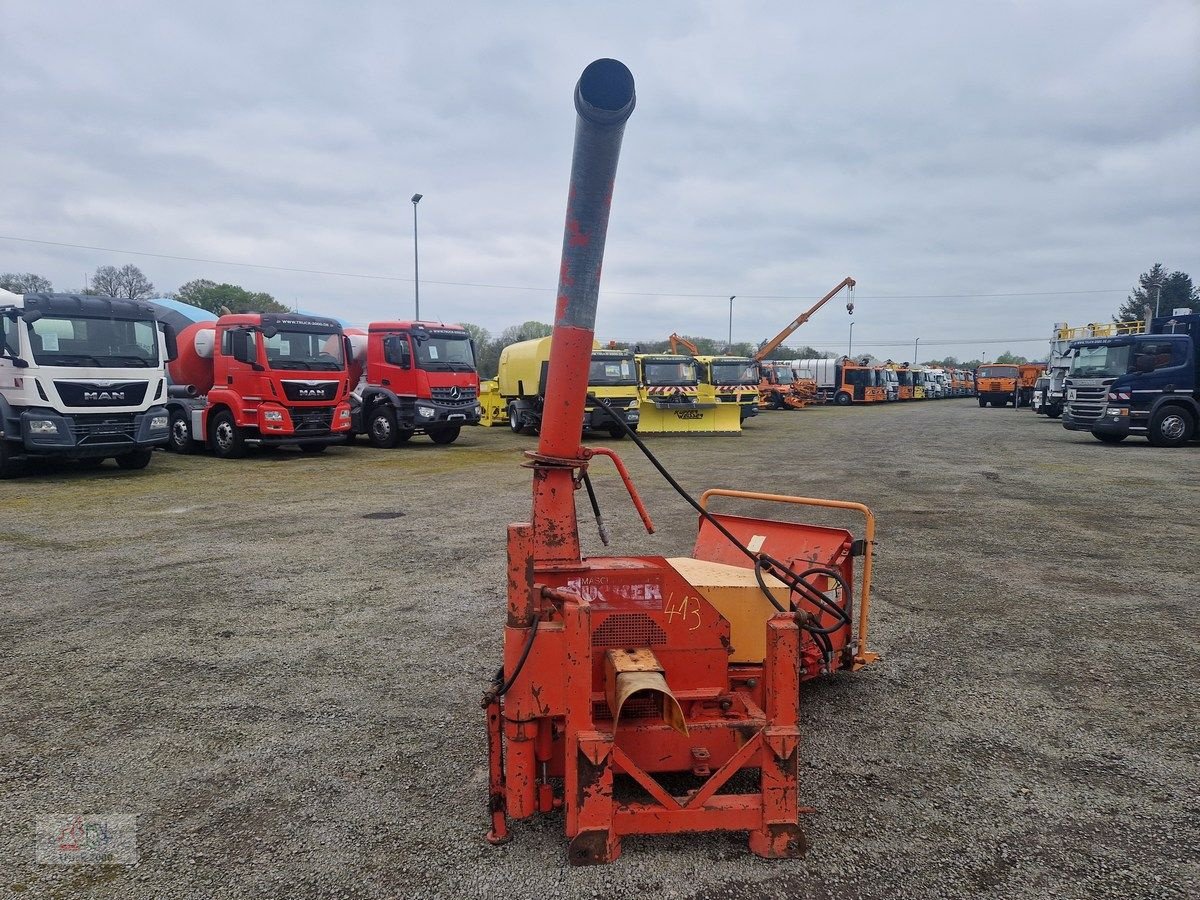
(997, 384)
(1027, 376)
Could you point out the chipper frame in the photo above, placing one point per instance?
(619, 671)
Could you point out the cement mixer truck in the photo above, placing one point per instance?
(412, 378)
(259, 379)
(81, 378)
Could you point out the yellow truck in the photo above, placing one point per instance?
(518, 391)
(730, 379)
(671, 402)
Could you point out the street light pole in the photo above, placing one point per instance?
(729, 345)
(416, 198)
(850, 348)
(1157, 298)
(916, 344)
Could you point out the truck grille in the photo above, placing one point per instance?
(1088, 404)
(311, 420)
(454, 396)
(101, 429)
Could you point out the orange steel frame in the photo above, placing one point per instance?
(552, 741)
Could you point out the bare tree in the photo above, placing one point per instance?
(127, 282)
(25, 283)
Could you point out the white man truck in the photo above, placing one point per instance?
(81, 378)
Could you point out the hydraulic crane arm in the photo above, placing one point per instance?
(677, 340)
(772, 344)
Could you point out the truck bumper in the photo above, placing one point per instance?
(429, 414)
(48, 433)
(280, 440)
(599, 420)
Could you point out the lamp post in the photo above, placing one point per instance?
(416, 198)
(729, 344)
(850, 348)
(916, 344)
(1157, 297)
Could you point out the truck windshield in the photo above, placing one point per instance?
(310, 350)
(784, 374)
(612, 371)
(1104, 361)
(102, 343)
(444, 354)
(734, 372)
(673, 372)
(996, 372)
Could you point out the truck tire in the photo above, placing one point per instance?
(137, 459)
(843, 399)
(1110, 438)
(228, 441)
(181, 434)
(982, 403)
(313, 448)
(777, 401)
(616, 432)
(515, 419)
(381, 427)
(1171, 426)
(445, 435)
(1054, 412)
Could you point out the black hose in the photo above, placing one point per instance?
(795, 582)
(502, 688)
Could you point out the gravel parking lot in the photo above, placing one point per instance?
(276, 665)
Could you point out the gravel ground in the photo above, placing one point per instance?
(285, 690)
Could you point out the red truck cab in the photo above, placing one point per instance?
(258, 380)
(418, 378)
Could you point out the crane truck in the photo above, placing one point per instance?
(1145, 384)
(81, 378)
(777, 391)
(517, 394)
(412, 378)
(259, 379)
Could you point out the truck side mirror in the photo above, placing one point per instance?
(347, 349)
(171, 341)
(243, 347)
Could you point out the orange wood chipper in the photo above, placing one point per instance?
(634, 689)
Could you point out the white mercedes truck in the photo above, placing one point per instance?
(81, 378)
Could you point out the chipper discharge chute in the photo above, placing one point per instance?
(621, 670)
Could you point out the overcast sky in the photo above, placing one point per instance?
(926, 148)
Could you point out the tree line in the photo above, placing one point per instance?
(130, 283)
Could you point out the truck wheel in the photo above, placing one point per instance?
(381, 429)
(228, 441)
(313, 448)
(982, 403)
(616, 432)
(1053, 411)
(1172, 426)
(445, 435)
(843, 399)
(515, 420)
(138, 459)
(181, 433)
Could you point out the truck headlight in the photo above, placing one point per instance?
(159, 423)
(479, 410)
(273, 415)
(43, 426)
(426, 412)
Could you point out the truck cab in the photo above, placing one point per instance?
(1146, 385)
(419, 378)
(259, 379)
(890, 382)
(81, 378)
(997, 385)
(730, 379)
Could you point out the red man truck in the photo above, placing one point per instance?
(256, 379)
(416, 378)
